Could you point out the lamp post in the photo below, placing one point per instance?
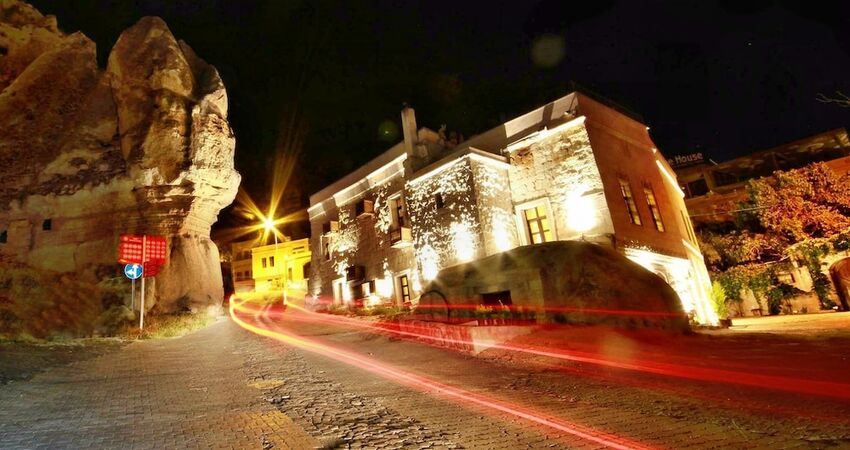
(269, 225)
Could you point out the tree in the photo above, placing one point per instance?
(810, 202)
(794, 213)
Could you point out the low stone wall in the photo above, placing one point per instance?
(468, 337)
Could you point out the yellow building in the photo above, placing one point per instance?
(271, 263)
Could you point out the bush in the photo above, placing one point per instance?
(718, 299)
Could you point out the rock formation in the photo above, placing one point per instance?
(143, 146)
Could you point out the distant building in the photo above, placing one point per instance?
(285, 262)
(715, 191)
(241, 266)
(571, 169)
(262, 268)
(712, 190)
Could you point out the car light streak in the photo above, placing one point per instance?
(263, 328)
(786, 384)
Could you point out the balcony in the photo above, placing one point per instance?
(330, 227)
(400, 237)
(364, 208)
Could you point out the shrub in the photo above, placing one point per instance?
(718, 299)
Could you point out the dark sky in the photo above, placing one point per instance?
(317, 79)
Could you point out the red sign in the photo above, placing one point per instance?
(151, 270)
(130, 249)
(155, 249)
(147, 250)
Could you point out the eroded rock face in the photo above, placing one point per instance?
(87, 154)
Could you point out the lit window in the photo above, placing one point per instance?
(653, 208)
(264, 263)
(631, 207)
(4, 236)
(404, 289)
(47, 225)
(537, 225)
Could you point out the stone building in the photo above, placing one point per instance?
(573, 169)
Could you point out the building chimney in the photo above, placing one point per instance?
(408, 127)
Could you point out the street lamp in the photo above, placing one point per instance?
(268, 223)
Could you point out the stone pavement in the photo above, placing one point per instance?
(188, 392)
(347, 407)
(224, 387)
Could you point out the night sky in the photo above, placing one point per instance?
(324, 82)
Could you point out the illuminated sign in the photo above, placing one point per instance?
(691, 159)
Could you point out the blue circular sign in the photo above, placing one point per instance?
(133, 271)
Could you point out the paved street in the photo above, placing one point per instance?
(190, 392)
(225, 387)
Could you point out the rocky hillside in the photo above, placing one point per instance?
(142, 146)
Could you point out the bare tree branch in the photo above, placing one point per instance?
(840, 99)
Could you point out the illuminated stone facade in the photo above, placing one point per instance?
(572, 169)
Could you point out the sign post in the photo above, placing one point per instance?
(133, 271)
(142, 301)
(143, 255)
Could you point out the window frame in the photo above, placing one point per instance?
(522, 224)
(654, 210)
(629, 200)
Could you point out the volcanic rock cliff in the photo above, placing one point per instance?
(86, 154)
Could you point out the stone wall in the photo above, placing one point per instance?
(447, 235)
(495, 209)
(562, 168)
(360, 241)
(142, 147)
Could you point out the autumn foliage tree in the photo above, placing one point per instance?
(782, 216)
(811, 202)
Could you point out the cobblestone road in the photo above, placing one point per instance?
(343, 405)
(224, 387)
(189, 392)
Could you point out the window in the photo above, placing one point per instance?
(653, 208)
(397, 210)
(305, 271)
(271, 261)
(404, 289)
(537, 224)
(289, 275)
(47, 225)
(326, 248)
(364, 207)
(696, 188)
(688, 229)
(330, 227)
(631, 207)
(264, 263)
(4, 236)
(439, 202)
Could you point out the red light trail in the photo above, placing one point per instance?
(262, 326)
(800, 386)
